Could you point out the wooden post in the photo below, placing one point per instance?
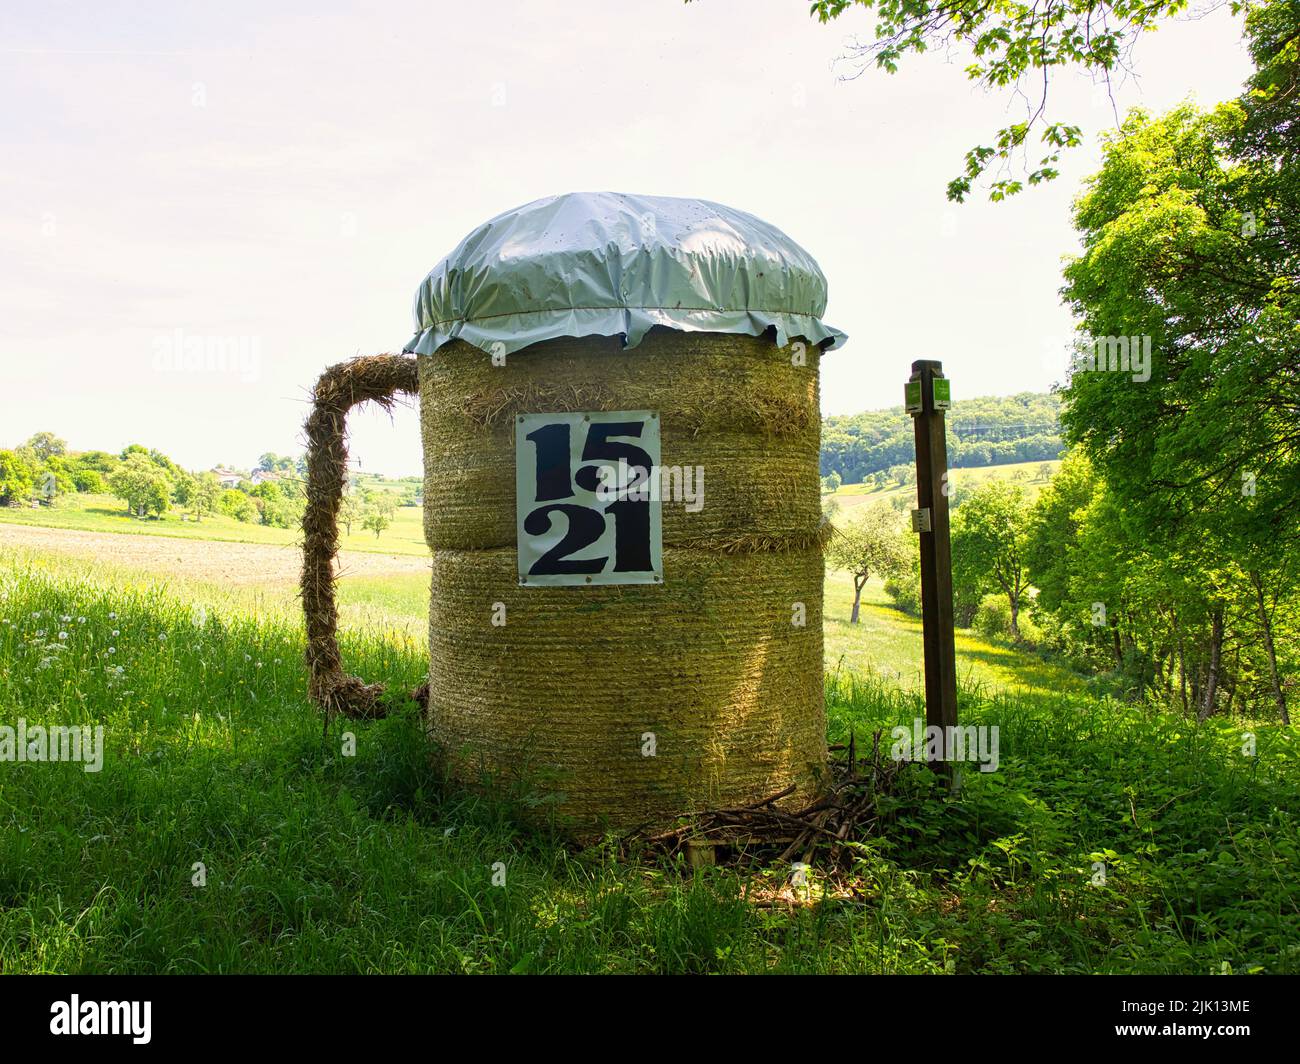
(930, 521)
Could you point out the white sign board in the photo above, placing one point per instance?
(587, 506)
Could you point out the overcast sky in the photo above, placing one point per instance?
(281, 177)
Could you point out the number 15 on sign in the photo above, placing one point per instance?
(585, 511)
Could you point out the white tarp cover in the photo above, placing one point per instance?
(604, 263)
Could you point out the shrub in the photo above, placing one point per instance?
(90, 481)
(993, 617)
(236, 504)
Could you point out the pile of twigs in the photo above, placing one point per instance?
(848, 811)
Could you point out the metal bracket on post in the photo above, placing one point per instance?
(928, 394)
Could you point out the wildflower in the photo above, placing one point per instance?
(112, 650)
(112, 616)
(63, 635)
(65, 620)
(116, 633)
(40, 633)
(81, 620)
(162, 637)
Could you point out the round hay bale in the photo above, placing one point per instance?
(677, 665)
(717, 672)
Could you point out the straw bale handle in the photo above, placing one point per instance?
(369, 378)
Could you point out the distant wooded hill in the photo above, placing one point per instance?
(992, 430)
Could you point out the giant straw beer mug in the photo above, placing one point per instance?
(618, 403)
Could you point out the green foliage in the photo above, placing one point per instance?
(981, 432)
(349, 511)
(1186, 548)
(905, 589)
(204, 495)
(142, 484)
(988, 550)
(1178, 230)
(47, 445)
(872, 544)
(234, 503)
(376, 521)
(15, 478)
(1014, 48)
(99, 461)
(90, 481)
(276, 463)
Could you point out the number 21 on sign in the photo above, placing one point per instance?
(586, 511)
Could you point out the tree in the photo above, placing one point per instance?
(47, 445)
(1014, 47)
(831, 483)
(275, 463)
(99, 461)
(90, 481)
(234, 503)
(1185, 250)
(15, 478)
(902, 474)
(184, 485)
(142, 485)
(203, 499)
(988, 543)
(376, 521)
(281, 503)
(1189, 248)
(349, 511)
(872, 545)
(1052, 540)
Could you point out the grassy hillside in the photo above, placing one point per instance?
(104, 513)
(1026, 474)
(983, 431)
(316, 861)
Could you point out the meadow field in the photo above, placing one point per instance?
(104, 513)
(1027, 474)
(313, 861)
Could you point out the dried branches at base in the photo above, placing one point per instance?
(370, 378)
(845, 813)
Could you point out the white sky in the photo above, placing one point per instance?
(287, 174)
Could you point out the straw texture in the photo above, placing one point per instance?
(734, 405)
(370, 378)
(709, 663)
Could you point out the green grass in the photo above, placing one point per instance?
(104, 513)
(887, 643)
(322, 862)
(851, 496)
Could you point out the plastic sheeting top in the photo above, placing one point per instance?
(603, 263)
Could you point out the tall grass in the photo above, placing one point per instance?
(318, 861)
